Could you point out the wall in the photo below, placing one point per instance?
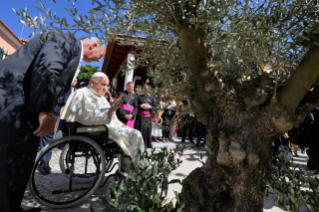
(7, 43)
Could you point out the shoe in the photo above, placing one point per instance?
(39, 167)
(45, 169)
(30, 209)
(191, 141)
(61, 146)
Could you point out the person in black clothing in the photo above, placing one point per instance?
(307, 134)
(128, 112)
(31, 80)
(146, 105)
(201, 132)
(188, 122)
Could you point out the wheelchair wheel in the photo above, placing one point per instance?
(64, 166)
(83, 161)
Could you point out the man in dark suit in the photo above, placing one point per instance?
(44, 165)
(31, 80)
(128, 112)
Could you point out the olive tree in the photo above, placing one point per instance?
(246, 67)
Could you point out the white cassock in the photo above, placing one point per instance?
(85, 107)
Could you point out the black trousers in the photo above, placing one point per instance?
(187, 129)
(18, 150)
(313, 152)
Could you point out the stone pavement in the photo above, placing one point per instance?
(190, 162)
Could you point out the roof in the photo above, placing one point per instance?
(9, 30)
(116, 53)
(23, 40)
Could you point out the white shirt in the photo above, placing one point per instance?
(78, 69)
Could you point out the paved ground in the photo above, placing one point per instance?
(189, 164)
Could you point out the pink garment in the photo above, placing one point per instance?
(156, 119)
(130, 123)
(144, 113)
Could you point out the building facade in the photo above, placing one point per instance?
(9, 42)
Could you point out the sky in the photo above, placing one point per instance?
(11, 19)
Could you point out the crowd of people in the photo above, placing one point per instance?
(303, 137)
(158, 114)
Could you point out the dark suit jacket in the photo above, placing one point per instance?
(36, 75)
(146, 99)
(61, 101)
(133, 101)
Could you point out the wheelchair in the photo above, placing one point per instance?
(80, 162)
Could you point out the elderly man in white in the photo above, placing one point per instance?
(88, 106)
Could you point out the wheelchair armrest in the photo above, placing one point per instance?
(73, 128)
(88, 129)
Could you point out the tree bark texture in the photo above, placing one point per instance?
(242, 122)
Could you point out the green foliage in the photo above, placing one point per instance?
(86, 72)
(145, 188)
(292, 187)
(241, 37)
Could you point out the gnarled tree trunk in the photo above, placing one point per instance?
(238, 155)
(242, 122)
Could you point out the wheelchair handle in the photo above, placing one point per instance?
(56, 127)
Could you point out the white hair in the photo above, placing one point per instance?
(99, 43)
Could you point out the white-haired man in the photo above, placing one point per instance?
(88, 106)
(31, 81)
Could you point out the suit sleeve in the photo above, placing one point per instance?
(51, 60)
(140, 101)
(135, 108)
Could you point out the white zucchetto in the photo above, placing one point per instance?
(98, 75)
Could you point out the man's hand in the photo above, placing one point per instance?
(286, 136)
(146, 106)
(47, 123)
(117, 104)
(128, 116)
